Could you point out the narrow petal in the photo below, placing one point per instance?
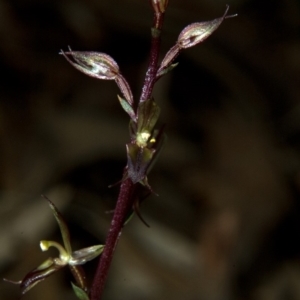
(81, 256)
(80, 277)
(62, 225)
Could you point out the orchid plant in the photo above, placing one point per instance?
(145, 144)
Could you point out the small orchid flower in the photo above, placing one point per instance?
(102, 66)
(190, 36)
(66, 258)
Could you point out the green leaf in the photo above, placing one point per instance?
(128, 108)
(164, 71)
(62, 225)
(79, 292)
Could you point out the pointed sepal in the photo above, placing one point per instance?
(38, 274)
(84, 255)
(62, 225)
(80, 277)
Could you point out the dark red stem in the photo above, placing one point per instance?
(150, 78)
(126, 194)
(124, 203)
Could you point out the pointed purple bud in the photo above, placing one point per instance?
(94, 64)
(196, 33)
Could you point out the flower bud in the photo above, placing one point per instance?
(196, 33)
(94, 64)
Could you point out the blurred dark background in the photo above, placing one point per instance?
(226, 224)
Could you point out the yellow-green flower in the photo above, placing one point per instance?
(66, 258)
